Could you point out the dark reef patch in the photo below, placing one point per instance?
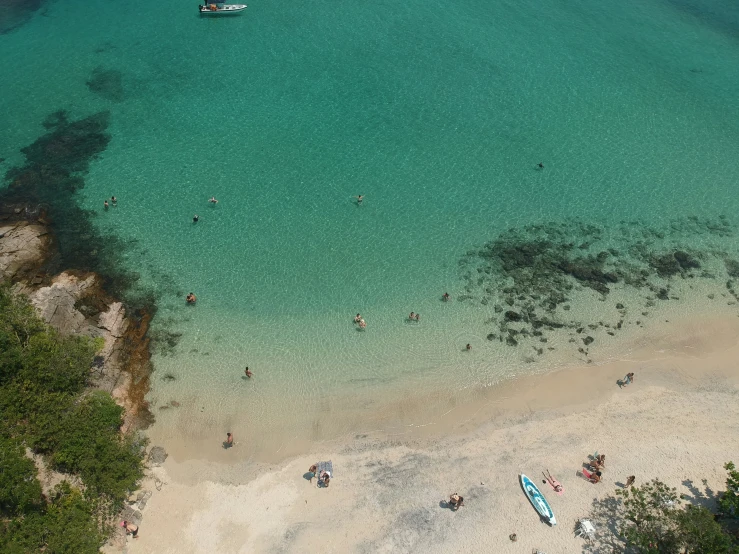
(107, 83)
(15, 13)
(529, 275)
(46, 185)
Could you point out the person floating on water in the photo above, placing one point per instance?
(247, 372)
(191, 298)
(195, 218)
(359, 198)
(213, 200)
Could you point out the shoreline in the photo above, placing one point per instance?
(673, 422)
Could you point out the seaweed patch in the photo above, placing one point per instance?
(531, 275)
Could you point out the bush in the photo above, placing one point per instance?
(44, 404)
(68, 525)
(729, 502)
(20, 491)
(654, 522)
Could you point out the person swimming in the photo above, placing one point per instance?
(248, 372)
(359, 198)
(213, 200)
(105, 204)
(358, 318)
(114, 200)
(190, 298)
(195, 218)
(445, 297)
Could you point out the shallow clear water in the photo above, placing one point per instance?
(437, 112)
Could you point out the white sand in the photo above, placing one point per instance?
(678, 421)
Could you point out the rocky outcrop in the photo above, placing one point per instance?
(23, 247)
(75, 303)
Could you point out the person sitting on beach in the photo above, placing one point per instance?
(191, 298)
(418, 317)
(247, 372)
(325, 478)
(595, 477)
(358, 318)
(131, 529)
(213, 200)
(312, 470)
(229, 441)
(455, 501)
(445, 297)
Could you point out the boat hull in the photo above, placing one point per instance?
(224, 9)
(537, 500)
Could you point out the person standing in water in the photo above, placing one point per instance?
(114, 200)
(105, 204)
(195, 218)
(247, 372)
(359, 198)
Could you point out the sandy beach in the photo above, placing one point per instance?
(678, 421)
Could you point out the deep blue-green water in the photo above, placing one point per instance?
(437, 112)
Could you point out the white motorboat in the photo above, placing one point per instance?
(221, 9)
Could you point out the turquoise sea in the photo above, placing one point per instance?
(437, 112)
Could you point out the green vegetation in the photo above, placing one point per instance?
(652, 519)
(45, 406)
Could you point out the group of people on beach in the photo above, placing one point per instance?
(324, 478)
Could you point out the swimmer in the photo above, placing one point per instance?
(541, 165)
(191, 298)
(469, 347)
(247, 372)
(213, 200)
(195, 218)
(445, 297)
(105, 204)
(358, 318)
(114, 200)
(412, 316)
(418, 317)
(362, 324)
(359, 198)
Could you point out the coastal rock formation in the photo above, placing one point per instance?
(22, 246)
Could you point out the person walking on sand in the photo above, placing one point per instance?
(247, 372)
(229, 441)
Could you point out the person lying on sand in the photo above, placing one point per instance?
(455, 501)
(595, 477)
(553, 482)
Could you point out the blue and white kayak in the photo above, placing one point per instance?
(537, 499)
